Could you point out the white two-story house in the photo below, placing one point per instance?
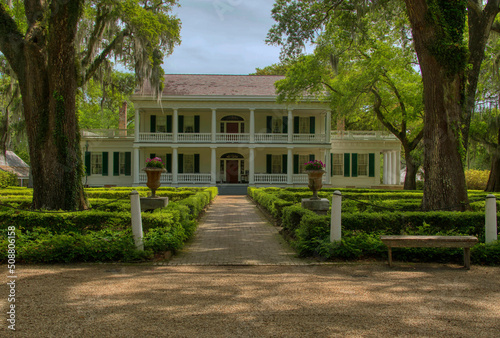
(229, 129)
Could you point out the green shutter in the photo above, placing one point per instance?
(180, 128)
(296, 124)
(354, 165)
(284, 164)
(116, 163)
(168, 165)
(269, 124)
(197, 123)
(312, 125)
(87, 163)
(331, 164)
(105, 163)
(128, 163)
(180, 164)
(153, 123)
(197, 163)
(295, 164)
(347, 165)
(169, 123)
(371, 165)
(285, 124)
(311, 157)
(269, 164)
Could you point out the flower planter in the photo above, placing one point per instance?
(153, 175)
(315, 182)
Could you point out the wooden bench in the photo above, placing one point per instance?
(465, 242)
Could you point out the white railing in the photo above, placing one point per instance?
(270, 178)
(194, 137)
(271, 138)
(302, 179)
(230, 137)
(156, 137)
(362, 135)
(107, 133)
(164, 178)
(194, 178)
(309, 138)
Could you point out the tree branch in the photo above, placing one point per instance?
(381, 117)
(11, 41)
(104, 54)
(96, 36)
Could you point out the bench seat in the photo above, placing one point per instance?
(465, 242)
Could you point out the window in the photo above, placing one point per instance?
(303, 159)
(277, 125)
(304, 125)
(338, 164)
(122, 163)
(276, 164)
(188, 164)
(96, 164)
(189, 124)
(161, 124)
(362, 164)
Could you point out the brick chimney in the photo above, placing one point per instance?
(122, 119)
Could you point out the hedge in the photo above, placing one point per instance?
(7, 179)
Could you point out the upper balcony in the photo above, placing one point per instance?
(356, 135)
(231, 138)
(107, 133)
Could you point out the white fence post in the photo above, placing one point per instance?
(135, 208)
(336, 221)
(490, 219)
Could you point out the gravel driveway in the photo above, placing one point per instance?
(338, 300)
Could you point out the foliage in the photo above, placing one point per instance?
(154, 163)
(314, 165)
(476, 179)
(7, 179)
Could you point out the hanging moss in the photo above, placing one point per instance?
(448, 47)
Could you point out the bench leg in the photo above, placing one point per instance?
(467, 258)
(389, 255)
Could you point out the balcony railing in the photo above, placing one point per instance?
(106, 133)
(233, 138)
(156, 137)
(271, 138)
(194, 178)
(309, 138)
(270, 178)
(362, 135)
(302, 179)
(164, 178)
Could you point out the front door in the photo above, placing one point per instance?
(232, 171)
(232, 128)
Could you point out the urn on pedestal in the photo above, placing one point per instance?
(154, 169)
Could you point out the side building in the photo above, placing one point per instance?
(229, 129)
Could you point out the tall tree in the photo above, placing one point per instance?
(365, 63)
(54, 47)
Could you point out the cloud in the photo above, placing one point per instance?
(223, 37)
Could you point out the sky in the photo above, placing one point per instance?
(222, 37)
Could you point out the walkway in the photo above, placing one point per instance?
(235, 232)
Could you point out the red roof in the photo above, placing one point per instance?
(217, 85)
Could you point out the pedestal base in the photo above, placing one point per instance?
(320, 206)
(151, 203)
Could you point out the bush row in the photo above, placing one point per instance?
(7, 179)
(100, 235)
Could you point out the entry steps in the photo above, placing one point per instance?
(232, 189)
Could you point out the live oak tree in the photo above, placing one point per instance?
(54, 47)
(364, 67)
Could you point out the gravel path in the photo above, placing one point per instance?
(354, 300)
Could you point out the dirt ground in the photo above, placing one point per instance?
(337, 300)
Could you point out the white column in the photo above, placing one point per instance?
(385, 167)
(336, 217)
(328, 126)
(136, 126)
(289, 166)
(328, 167)
(214, 125)
(491, 226)
(213, 169)
(389, 167)
(290, 126)
(398, 167)
(252, 125)
(251, 166)
(136, 166)
(393, 167)
(135, 211)
(175, 165)
(175, 127)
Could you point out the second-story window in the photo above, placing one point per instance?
(189, 124)
(304, 125)
(161, 124)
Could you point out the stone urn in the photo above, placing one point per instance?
(315, 182)
(154, 175)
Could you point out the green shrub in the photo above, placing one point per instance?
(7, 179)
(476, 179)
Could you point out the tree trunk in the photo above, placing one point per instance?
(493, 184)
(411, 172)
(48, 82)
(445, 186)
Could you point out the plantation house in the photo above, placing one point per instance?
(229, 129)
